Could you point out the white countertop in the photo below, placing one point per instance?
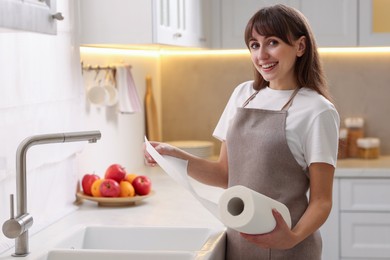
(171, 205)
(363, 168)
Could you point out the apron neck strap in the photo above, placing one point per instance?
(289, 102)
(250, 98)
(285, 107)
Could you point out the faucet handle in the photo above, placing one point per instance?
(14, 227)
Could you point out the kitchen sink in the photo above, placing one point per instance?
(149, 243)
(119, 255)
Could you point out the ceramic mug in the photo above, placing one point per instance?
(98, 95)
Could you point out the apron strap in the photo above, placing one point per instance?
(285, 107)
(289, 102)
(250, 98)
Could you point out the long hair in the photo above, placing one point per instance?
(289, 24)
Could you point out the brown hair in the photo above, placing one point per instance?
(289, 24)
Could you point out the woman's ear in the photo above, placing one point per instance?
(301, 46)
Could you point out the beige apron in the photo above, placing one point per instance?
(260, 159)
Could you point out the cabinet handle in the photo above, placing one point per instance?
(58, 16)
(177, 35)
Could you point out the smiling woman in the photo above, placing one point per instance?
(279, 137)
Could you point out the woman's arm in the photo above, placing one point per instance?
(213, 173)
(320, 205)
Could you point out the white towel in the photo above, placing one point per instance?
(129, 101)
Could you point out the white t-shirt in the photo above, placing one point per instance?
(312, 124)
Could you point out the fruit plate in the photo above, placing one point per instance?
(112, 202)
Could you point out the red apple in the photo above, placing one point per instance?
(142, 185)
(110, 188)
(115, 172)
(87, 181)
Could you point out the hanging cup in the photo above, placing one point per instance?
(98, 95)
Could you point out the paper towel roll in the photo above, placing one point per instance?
(250, 212)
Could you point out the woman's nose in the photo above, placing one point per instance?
(262, 53)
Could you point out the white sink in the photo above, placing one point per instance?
(119, 255)
(149, 243)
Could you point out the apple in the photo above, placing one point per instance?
(142, 185)
(87, 181)
(115, 172)
(109, 188)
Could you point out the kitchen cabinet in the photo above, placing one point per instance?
(234, 17)
(374, 23)
(365, 218)
(140, 22)
(334, 22)
(358, 227)
(32, 15)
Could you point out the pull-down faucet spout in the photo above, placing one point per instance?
(18, 227)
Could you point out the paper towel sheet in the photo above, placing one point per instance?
(256, 215)
(177, 170)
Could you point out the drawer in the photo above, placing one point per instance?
(365, 195)
(365, 235)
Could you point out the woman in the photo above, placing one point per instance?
(279, 137)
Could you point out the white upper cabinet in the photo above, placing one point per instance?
(139, 22)
(234, 17)
(334, 22)
(374, 23)
(180, 22)
(29, 15)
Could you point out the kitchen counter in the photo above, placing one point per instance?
(170, 206)
(364, 168)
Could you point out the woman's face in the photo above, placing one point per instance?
(275, 60)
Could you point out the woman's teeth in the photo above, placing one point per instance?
(267, 66)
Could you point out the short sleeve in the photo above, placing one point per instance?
(321, 144)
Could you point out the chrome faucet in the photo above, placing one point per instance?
(17, 227)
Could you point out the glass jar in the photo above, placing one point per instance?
(355, 131)
(368, 148)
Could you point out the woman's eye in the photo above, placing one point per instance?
(273, 42)
(254, 45)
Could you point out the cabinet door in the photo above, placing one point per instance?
(235, 15)
(179, 22)
(365, 195)
(115, 22)
(334, 22)
(374, 23)
(365, 235)
(28, 15)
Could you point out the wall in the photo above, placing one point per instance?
(43, 91)
(122, 134)
(195, 89)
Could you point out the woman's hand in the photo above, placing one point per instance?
(161, 148)
(279, 238)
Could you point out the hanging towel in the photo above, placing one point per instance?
(129, 101)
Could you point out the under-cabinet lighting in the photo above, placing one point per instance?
(165, 52)
(355, 50)
(117, 51)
